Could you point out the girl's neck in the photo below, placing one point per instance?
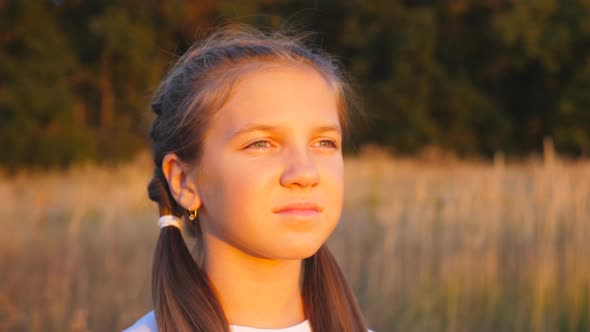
(254, 291)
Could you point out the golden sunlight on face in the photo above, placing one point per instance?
(271, 174)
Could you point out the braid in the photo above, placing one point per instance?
(159, 192)
(184, 298)
(329, 301)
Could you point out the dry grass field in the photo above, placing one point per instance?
(428, 246)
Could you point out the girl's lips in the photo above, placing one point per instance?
(299, 207)
(298, 212)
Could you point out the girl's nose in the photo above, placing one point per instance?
(300, 170)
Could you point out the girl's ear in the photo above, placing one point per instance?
(181, 182)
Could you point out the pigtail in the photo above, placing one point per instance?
(330, 304)
(183, 297)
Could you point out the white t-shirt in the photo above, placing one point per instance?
(147, 323)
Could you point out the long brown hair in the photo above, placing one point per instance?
(193, 90)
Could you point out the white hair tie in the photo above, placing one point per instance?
(170, 220)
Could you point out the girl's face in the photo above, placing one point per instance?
(276, 142)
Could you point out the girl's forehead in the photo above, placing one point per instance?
(279, 95)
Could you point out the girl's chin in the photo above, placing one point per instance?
(292, 252)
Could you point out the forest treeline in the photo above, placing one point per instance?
(473, 77)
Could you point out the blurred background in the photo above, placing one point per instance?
(467, 201)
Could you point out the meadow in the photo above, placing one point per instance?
(427, 244)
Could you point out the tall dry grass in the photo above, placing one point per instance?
(427, 246)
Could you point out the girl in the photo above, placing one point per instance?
(247, 151)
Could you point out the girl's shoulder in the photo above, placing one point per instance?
(147, 323)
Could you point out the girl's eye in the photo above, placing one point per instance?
(328, 143)
(259, 144)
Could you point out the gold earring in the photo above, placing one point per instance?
(192, 215)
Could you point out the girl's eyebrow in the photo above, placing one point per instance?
(262, 127)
